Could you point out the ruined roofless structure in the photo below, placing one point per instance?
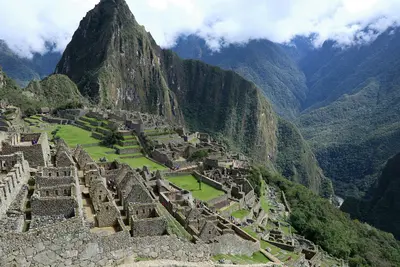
(34, 146)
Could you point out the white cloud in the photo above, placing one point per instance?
(26, 25)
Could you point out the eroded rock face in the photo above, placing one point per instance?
(1, 79)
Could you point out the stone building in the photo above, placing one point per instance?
(13, 176)
(145, 220)
(57, 195)
(35, 147)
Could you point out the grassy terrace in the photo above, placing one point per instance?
(190, 183)
(126, 147)
(240, 214)
(74, 135)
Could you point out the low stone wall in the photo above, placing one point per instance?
(282, 246)
(219, 202)
(71, 243)
(234, 245)
(55, 120)
(125, 151)
(97, 135)
(208, 181)
(84, 127)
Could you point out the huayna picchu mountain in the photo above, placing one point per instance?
(117, 64)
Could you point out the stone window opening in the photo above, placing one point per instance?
(65, 192)
(47, 193)
(56, 192)
(137, 212)
(49, 174)
(100, 197)
(107, 207)
(65, 173)
(58, 174)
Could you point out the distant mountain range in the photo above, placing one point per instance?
(345, 101)
(24, 70)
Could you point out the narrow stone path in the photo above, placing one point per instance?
(171, 263)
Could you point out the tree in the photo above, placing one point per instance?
(112, 138)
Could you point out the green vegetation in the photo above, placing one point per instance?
(240, 214)
(142, 161)
(333, 230)
(296, 161)
(190, 183)
(75, 135)
(260, 61)
(257, 257)
(382, 209)
(55, 91)
(113, 137)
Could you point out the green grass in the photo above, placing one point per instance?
(264, 204)
(240, 214)
(74, 135)
(142, 161)
(257, 257)
(190, 183)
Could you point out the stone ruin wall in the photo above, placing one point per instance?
(17, 169)
(209, 181)
(71, 243)
(149, 227)
(37, 155)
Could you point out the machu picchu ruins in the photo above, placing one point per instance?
(157, 192)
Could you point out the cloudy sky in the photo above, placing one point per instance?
(27, 24)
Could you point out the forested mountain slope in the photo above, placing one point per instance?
(355, 130)
(382, 209)
(265, 63)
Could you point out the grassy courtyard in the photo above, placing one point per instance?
(190, 183)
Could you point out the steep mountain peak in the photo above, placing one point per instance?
(111, 58)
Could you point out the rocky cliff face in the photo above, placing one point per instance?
(117, 64)
(1, 79)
